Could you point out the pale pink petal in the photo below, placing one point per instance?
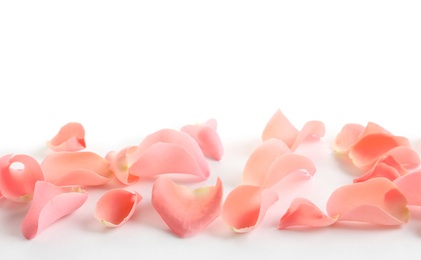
(115, 207)
(261, 159)
(405, 156)
(76, 168)
(71, 137)
(375, 201)
(120, 165)
(18, 184)
(312, 129)
(186, 212)
(410, 186)
(167, 145)
(245, 207)
(347, 137)
(49, 204)
(280, 127)
(303, 213)
(207, 138)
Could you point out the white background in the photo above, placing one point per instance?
(125, 69)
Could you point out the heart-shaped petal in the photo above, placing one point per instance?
(70, 138)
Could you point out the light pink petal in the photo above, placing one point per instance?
(280, 127)
(245, 207)
(18, 184)
(410, 186)
(71, 137)
(312, 129)
(116, 206)
(303, 213)
(347, 137)
(207, 138)
(186, 212)
(76, 168)
(261, 159)
(405, 156)
(49, 204)
(375, 201)
(165, 145)
(120, 165)
(386, 167)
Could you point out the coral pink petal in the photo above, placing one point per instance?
(312, 129)
(303, 213)
(410, 186)
(386, 167)
(76, 168)
(186, 212)
(287, 164)
(115, 207)
(245, 207)
(71, 137)
(347, 137)
(49, 204)
(259, 162)
(18, 184)
(405, 156)
(120, 165)
(375, 201)
(281, 128)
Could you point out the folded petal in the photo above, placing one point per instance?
(303, 213)
(49, 204)
(375, 201)
(76, 168)
(245, 207)
(410, 186)
(120, 165)
(71, 137)
(281, 128)
(186, 212)
(116, 206)
(18, 184)
(405, 156)
(386, 167)
(312, 129)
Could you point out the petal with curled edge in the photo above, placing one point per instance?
(280, 127)
(207, 138)
(410, 186)
(375, 201)
(186, 211)
(50, 203)
(386, 167)
(245, 207)
(311, 129)
(70, 138)
(18, 184)
(76, 168)
(115, 207)
(304, 213)
(120, 165)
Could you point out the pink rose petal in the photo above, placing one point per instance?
(386, 167)
(49, 204)
(410, 186)
(375, 201)
(312, 129)
(19, 184)
(186, 212)
(120, 165)
(115, 207)
(71, 137)
(303, 213)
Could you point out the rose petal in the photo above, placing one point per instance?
(116, 206)
(18, 184)
(245, 207)
(71, 137)
(120, 165)
(405, 156)
(207, 138)
(186, 212)
(304, 213)
(49, 204)
(280, 127)
(410, 186)
(375, 201)
(312, 129)
(386, 167)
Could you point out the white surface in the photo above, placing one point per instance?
(125, 69)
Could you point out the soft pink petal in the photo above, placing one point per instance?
(18, 184)
(405, 156)
(71, 137)
(375, 201)
(116, 206)
(245, 207)
(49, 204)
(347, 137)
(186, 212)
(120, 165)
(386, 167)
(207, 138)
(312, 129)
(76, 168)
(410, 186)
(303, 213)
(280, 127)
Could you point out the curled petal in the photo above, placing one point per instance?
(207, 138)
(19, 184)
(303, 213)
(245, 207)
(70, 138)
(410, 186)
(375, 201)
(120, 165)
(116, 206)
(386, 167)
(347, 137)
(405, 156)
(314, 129)
(186, 212)
(280, 127)
(49, 204)
(76, 168)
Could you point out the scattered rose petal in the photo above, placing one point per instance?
(207, 138)
(186, 212)
(120, 165)
(116, 206)
(49, 204)
(311, 129)
(410, 186)
(71, 137)
(386, 167)
(19, 184)
(347, 137)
